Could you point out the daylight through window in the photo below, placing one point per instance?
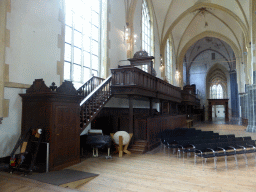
(146, 32)
(82, 39)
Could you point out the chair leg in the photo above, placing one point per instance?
(245, 158)
(236, 160)
(178, 153)
(109, 156)
(94, 154)
(226, 161)
(195, 159)
(215, 162)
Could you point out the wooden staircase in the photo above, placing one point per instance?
(138, 147)
(97, 95)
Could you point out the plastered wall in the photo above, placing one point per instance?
(32, 53)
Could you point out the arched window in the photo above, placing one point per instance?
(146, 31)
(219, 92)
(82, 39)
(168, 61)
(216, 92)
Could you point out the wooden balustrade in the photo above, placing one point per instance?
(134, 81)
(189, 99)
(158, 124)
(90, 85)
(94, 102)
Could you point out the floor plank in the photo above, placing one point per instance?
(158, 170)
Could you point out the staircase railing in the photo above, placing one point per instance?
(90, 85)
(94, 102)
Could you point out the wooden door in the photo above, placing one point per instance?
(66, 141)
(140, 129)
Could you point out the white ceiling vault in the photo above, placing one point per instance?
(187, 21)
(214, 45)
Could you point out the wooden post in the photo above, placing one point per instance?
(130, 114)
(161, 107)
(120, 149)
(226, 112)
(210, 111)
(150, 107)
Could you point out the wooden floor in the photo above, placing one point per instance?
(158, 170)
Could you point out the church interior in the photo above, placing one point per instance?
(159, 72)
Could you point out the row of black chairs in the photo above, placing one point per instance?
(206, 144)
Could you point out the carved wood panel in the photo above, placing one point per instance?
(66, 133)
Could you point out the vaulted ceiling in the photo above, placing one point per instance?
(187, 21)
(213, 45)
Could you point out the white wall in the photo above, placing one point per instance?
(11, 127)
(116, 24)
(33, 51)
(33, 54)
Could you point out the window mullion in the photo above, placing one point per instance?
(82, 53)
(72, 50)
(99, 41)
(90, 50)
(91, 44)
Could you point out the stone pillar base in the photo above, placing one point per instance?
(249, 128)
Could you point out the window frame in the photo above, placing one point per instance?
(168, 61)
(146, 22)
(216, 91)
(85, 71)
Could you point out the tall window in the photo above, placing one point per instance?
(168, 62)
(82, 39)
(146, 31)
(216, 92)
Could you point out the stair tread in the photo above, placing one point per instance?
(136, 149)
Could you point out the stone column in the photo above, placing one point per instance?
(250, 109)
(234, 94)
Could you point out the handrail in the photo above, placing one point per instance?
(89, 86)
(95, 90)
(92, 104)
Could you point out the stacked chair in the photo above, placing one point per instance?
(206, 144)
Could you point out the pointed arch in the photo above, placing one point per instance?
(198, 37)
